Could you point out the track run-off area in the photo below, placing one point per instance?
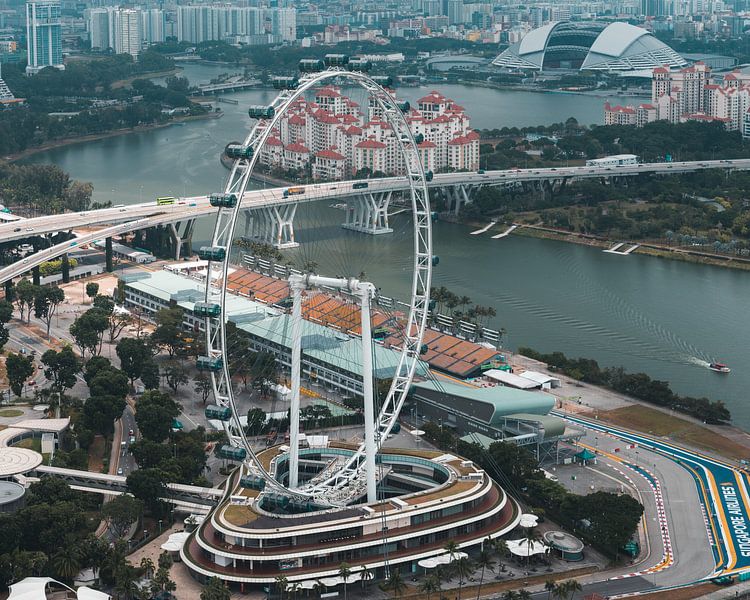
(722, 488)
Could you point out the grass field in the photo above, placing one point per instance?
(10, 412)
(649, 420)
(30, 443)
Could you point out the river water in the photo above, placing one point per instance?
(663, 317)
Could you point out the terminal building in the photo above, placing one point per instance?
(427, 498)
(447, 386)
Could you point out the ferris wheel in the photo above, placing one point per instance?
(358, 469)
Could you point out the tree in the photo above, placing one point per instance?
(148, 485)
(256, 418)
(531, 536)
(215, 590)
(484, 561)
(364, 576)
(92, 289)
(147, 566)
(6, 311)
(109, 382)
(134, 354)
(61, 368)
(429, 586)
(66, 562)
(175, 375)
(570, 588)
(161, 582)
(165, 560)
(154, 413)
(168, 329)
(19, 368)
(150, 375)
(100, 413)
(204, 388)
(550, 587)
(46, 301)
(87, 330)
(121, 512)
(344, 572)
(281, 584)
(395, 583)
(25, 294)
(118, 319)
(463, 568)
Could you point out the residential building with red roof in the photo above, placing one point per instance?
(334, 122)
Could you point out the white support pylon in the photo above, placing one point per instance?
(368, 213)
(365, 292)
(296, 285)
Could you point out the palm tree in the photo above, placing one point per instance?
(510, 595)
(464, 568)
(344, 572)
(571, 587)
(364, 576)
(429, 585)
(294, 588)
(500, 547)
(281, 584)
(485, 562)
(395, 583)
(66, 562)
(524, 594)
(559, 592)
(451, 548)
(319, 588)
(531, 536)
(147, 566)
(550, 586)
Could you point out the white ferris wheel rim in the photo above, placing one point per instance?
(418, 307)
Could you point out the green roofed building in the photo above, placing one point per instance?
(484, 415)
(329, 356)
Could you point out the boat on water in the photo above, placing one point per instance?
(719, 367)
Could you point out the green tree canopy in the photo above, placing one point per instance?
(19, 368)
(154, 413)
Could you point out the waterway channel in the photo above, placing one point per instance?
(647, 314)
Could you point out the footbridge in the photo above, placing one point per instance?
(186, 497)
(367, 203)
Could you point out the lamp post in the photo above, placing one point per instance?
(159, 526)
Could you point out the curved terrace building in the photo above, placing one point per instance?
(589, 46)
(426, 498)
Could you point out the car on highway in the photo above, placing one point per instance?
(120, 471)
(130, 432)
(29, 229)
(17, 229)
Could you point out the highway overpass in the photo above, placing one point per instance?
(457, 187)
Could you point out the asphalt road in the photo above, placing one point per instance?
(722, 489)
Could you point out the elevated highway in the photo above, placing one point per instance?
(457, 188)
(189, 497)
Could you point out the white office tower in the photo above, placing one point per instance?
(43, 35)
(153, 25)
(99, 28)
(284, 23)
(128, 32)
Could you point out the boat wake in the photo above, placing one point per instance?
(699, 362)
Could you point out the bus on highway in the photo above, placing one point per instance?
(162, 200)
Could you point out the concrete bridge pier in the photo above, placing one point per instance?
(368, 213)
(282, 225)
(273, 225)
(180, 239)
(109, 263)
(35, 276)
(65, 267)
(9, 292)
(459, 195)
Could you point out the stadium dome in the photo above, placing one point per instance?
(589, 47)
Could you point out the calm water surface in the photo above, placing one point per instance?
(659, 316)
